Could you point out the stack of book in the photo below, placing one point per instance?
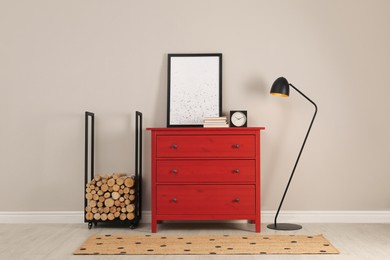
(215, 122)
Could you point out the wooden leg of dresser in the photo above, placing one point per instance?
(258, 227)
(257, 223)
(154, 226)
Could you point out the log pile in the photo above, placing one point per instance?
(110, 197)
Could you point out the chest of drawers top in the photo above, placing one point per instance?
(196, 130)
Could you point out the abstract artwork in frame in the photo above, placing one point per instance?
(194, 88)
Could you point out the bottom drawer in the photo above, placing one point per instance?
(205, 199)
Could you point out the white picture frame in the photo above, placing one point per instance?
(194, 88)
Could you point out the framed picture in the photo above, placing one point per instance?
(194, 88)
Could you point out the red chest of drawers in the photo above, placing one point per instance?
(206, 174)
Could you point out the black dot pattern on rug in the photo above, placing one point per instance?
(213, 245)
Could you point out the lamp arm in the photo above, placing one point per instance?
(300, 152)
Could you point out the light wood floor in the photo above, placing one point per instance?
(57, 241)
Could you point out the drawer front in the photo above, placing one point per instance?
(203, 146)
(202, 171)
(205, 199)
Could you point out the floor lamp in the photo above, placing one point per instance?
(281, 88)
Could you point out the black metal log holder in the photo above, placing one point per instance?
(90, 172)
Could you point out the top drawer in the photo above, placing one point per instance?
(206, 146)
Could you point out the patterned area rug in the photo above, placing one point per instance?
(205, 245)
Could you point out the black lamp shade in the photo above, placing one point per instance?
(280, 87)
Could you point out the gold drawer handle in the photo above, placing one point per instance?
(236, 171)
(236, 146)
(236, 200)
(174, 146)
(174, 171)
(174, 200)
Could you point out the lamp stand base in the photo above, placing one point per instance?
(284, 226)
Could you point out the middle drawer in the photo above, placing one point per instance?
(202, 171)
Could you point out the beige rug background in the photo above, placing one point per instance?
(205, 245)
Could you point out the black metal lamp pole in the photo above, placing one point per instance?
(281, 88)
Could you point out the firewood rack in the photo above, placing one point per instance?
(90, 172)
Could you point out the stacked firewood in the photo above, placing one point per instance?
(110, 197)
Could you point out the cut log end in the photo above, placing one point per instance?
(129, 182)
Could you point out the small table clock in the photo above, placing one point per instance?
(238, 118)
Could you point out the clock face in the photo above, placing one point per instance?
(238, 119)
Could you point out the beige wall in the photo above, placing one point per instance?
(61, 58)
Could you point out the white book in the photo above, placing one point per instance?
(217, 126)
(215, 123)
(222, 118)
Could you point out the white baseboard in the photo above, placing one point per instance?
(71, 217)
(18, 217)
(327, 216)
